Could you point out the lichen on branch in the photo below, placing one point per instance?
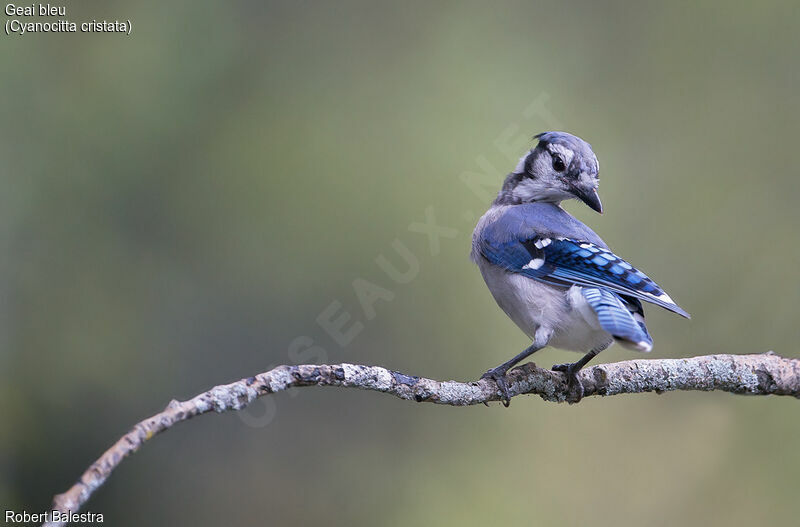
(764, 374)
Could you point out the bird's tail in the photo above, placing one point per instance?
(622, 317)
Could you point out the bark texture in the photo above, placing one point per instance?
(765, 374)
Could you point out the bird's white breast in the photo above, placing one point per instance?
(533, 305)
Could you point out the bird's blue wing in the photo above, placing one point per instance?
(566, 262)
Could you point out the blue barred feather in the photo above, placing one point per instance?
(616, 318)
(566, 262)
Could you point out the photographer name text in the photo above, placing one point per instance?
(52, 516)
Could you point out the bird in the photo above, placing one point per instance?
(553, 276)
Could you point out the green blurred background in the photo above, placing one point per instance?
(178, 206)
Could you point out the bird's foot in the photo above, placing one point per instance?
(498, 375)
(574, 386)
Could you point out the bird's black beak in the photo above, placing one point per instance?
(591, 198)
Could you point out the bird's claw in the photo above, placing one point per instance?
(575, 389)
(498, 375)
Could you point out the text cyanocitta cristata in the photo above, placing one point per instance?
(550, 273)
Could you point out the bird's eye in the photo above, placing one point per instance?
(558, 163)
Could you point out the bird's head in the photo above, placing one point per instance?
(561, 167)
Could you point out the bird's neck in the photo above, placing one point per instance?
(515, 191)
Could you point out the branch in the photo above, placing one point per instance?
(744, 374)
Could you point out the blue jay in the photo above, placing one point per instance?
(551, 274)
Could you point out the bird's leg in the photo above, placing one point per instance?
(571, 372)
(498, 374)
